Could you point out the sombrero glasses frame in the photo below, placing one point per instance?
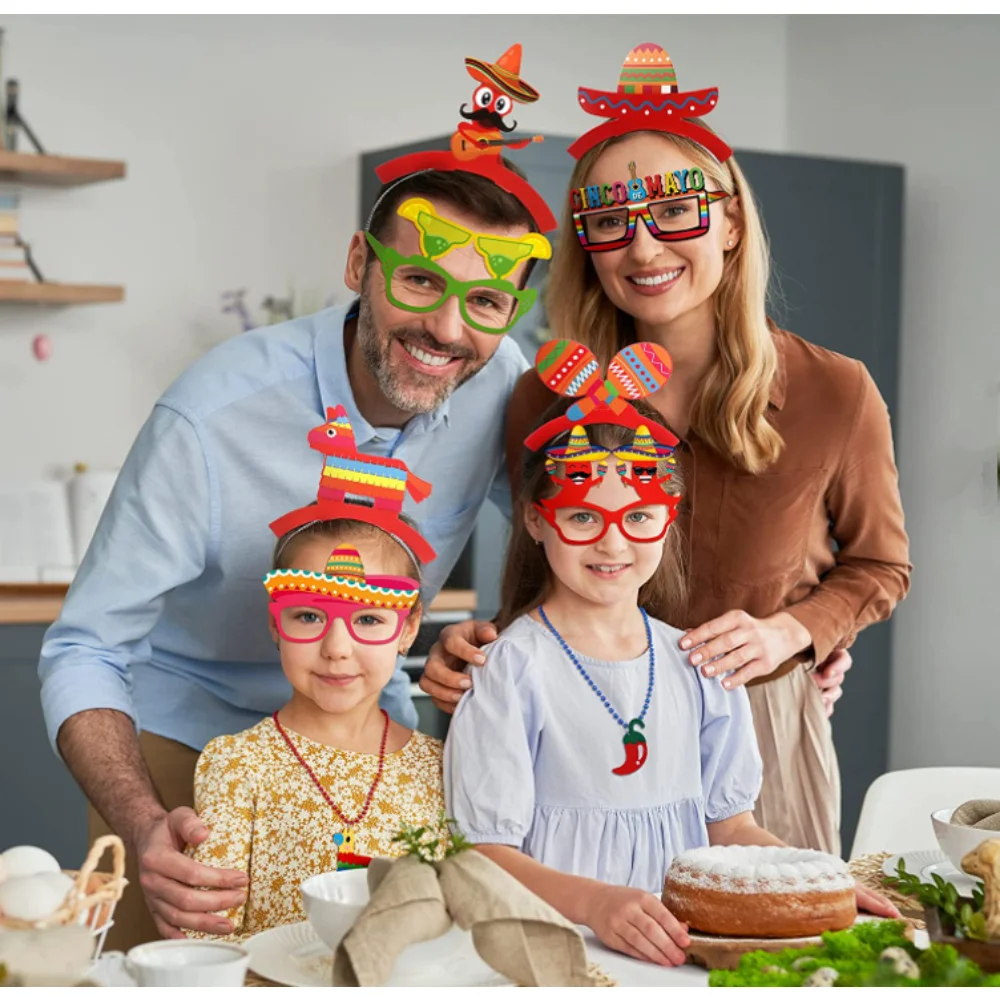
(645, 210)
(391, 260)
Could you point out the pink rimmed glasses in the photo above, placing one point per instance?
(302, 617)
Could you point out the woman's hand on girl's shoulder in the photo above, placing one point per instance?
(443, 677)
(635, 922)
(749, 647)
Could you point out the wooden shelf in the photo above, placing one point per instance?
(56, 171)
(52, 293)
(40, 603)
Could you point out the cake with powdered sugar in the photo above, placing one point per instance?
(771, 892)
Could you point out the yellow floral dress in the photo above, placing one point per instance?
(269, 819)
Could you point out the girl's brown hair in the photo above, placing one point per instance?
(729, 411)
(527, 577)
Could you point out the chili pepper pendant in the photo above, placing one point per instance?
(636, 749)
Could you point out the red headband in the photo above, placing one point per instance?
(648, 98)
(479, 140)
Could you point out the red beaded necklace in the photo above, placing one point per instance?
(333, 805)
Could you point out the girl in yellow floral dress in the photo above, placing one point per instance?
(329, 779)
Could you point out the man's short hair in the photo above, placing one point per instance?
(470, 193)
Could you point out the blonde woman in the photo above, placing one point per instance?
(786, 447)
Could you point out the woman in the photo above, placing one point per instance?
(786, 447)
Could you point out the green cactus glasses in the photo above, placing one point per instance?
(419, 284)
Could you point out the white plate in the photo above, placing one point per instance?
(294, 956)
(928, 863)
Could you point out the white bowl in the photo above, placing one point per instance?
(333, 901)
(956, 841)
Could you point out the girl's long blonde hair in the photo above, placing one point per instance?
(729, 410)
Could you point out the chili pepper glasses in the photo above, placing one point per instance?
(418, 284)
(302, 617)
(679, 218)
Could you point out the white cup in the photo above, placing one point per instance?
(188, 963)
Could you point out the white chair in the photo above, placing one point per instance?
(896, 813)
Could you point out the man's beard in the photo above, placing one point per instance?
(403, 387)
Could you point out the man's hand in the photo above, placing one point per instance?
(181, 893)
(457, 645)
(829, 677)
(752, 647)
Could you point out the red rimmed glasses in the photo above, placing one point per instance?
(585, 523)
(302, 617)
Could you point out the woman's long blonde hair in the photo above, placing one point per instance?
(729, 410)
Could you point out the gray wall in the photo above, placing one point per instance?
(921, 91)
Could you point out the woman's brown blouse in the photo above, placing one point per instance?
(763, 543)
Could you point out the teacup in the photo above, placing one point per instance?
(188, 963)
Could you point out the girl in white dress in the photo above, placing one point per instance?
(587, 753)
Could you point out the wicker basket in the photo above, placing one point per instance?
(92, 899)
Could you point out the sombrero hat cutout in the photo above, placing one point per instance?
(504, 74)
(643, 448)
(344, 580)
(649, 98)
(577, 449)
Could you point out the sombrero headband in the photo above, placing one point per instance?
(479, 140)
(344, 579)
(359, 487)
(570, 369)
(648, 98)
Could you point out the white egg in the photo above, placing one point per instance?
(59, 881)
(27, 861)
(30, 897)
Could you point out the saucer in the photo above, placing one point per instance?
(926, 864)
(293, 955)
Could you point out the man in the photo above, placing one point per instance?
(171, 582)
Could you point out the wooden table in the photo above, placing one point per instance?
(40, 603)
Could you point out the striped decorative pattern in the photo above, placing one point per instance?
(567, 367)
(341, 588)
(647, 70)
(345, 561)
(639, 372)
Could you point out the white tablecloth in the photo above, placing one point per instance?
(627, 971)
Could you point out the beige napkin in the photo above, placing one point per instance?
(405, 906)
(980, 814)
(513, 930)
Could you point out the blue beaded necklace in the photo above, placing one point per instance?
(636, 748)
